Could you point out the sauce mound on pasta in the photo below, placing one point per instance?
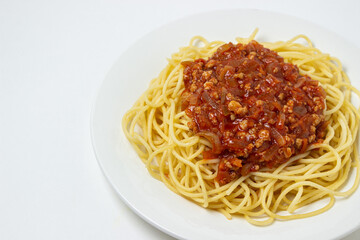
(255, 109)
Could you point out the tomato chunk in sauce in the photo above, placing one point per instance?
(255, 109)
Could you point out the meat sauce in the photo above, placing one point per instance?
(256, 110)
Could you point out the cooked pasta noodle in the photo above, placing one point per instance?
(157, 128)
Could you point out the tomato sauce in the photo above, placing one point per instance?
(255, 109)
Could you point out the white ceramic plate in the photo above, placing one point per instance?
(149, 198)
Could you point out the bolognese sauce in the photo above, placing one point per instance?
(255, 109)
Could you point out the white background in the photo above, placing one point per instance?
(53, 58)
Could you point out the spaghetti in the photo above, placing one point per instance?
(157, 127)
